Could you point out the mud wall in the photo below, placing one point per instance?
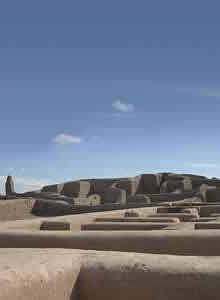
(158, 242)
(69, 275)
(18, 209)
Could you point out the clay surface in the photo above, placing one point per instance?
(16, 209)
(38, 274)
(115, 238)
(154, 277)
(69, 275)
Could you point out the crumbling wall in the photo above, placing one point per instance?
(149, 184)
(44, 207)
(130, 185)
(61, 274)
(55, 188)
(17, 209)
(39, 274)
(99, 186)
(115, 195)
(171, 196)
(172, 242)
(137, 276)
(212, 195)
(76, 188)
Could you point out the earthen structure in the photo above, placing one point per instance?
(153, 236)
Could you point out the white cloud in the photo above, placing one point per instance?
(121, 106)
(64, 138)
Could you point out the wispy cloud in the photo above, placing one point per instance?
(123, 107)
(64, 138)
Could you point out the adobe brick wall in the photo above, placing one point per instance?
(173, 242)
(111, 226)
(74, 220)
(17, 209)
(206, 211)
(138, 219)
(59, 274)
(130, 276)
(36, 274)
(209, 225)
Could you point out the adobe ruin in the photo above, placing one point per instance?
(153, 236)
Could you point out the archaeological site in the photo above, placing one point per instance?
(153, 237)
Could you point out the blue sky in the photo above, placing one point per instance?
(108, 88)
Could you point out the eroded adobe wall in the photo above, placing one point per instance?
(159, 185)
(55, 188)
(149, 184)
(69, 189)
(129, 185)
(84, 275)
(172, 242)
(99, 186)
(206, 211)
(130, 276)
(76, 188)
(51, 208)
(38, 274)
(171, 196)
(121, 226)
(75, 220)
(18, 209)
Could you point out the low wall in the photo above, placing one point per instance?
(26, 208)
(183, 217)
(138, 219)
(28, 274)
(75, 220)
(17, 209)
(170, 196)
(69, 275)
(209, 225)
(152, 277)
(206, 211)
(174, 242)
(125, 226)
